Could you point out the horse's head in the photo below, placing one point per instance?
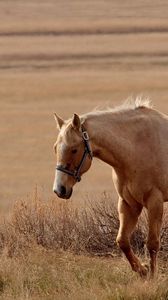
(73, 153)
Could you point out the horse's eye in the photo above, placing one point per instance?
(74, 151)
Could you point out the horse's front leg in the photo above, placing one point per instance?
(128, 217)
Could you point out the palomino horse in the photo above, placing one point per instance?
(133, 140)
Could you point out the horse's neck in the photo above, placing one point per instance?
(109, 138)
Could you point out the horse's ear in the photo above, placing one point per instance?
(76, 123)
(59, 121)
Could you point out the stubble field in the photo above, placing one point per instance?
(66, 57)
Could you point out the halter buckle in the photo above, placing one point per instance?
(85, 135)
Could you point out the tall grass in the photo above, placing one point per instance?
(57, 225)
(48, 274)
(51, 250)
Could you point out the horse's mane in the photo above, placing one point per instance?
(132, 104)
(128, 104)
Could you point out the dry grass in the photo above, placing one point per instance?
(59, 225)
(58, 275)
(50, 250)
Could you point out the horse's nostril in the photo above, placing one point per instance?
(62, 190)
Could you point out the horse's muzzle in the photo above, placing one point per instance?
(63, 193)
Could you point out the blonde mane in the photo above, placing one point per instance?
(128, 104)
(132, 104)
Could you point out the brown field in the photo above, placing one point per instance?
(71, 56)
(65, 57)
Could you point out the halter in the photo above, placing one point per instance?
(87, 151)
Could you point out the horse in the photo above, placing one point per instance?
(133, 140)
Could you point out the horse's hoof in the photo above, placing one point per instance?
(144, 270)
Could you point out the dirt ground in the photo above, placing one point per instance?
(65, 57)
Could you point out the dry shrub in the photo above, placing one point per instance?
(164, 235)
(103, 224)
(58, 225)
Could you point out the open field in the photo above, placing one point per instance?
(66, 57)
(63, 276)
(71, 57)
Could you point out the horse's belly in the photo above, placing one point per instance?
(122, 189)
(131, 191)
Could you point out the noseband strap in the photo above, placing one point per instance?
(87, 151)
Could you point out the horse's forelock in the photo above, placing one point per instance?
(68, 134)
